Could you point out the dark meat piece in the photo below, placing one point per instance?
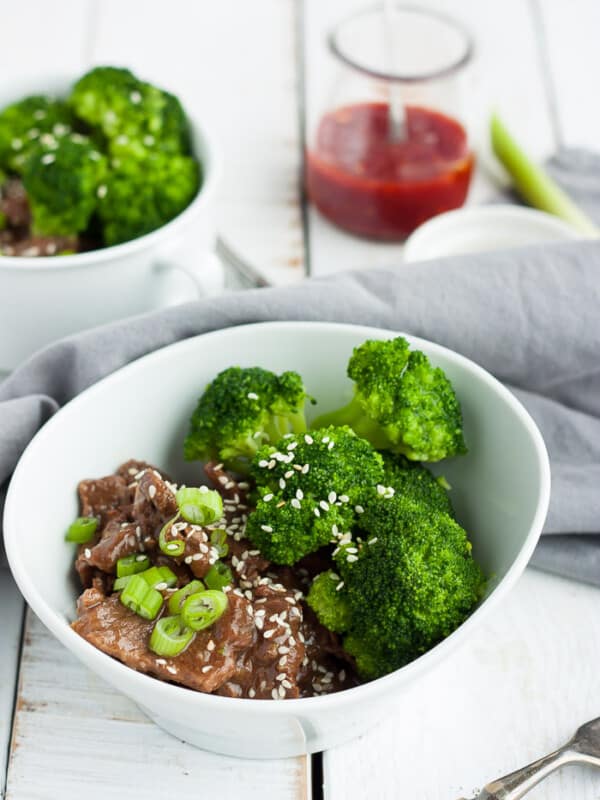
(107, 498)
(326, 667)
(118, 539)
(206, 665)
(154, 504)
(229, 487)
(14, 203)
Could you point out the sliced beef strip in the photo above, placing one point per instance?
(14, 203)
(153, 505)
(118, 539)
(227, 484)
(106, 498)
(206, 665)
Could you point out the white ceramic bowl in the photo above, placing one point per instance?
(45, 298)
(485, 228)
(501, 491)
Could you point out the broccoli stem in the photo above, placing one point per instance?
(354, 416)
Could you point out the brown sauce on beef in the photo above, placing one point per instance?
(268, 644)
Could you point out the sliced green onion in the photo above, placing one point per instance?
(170, 637)
(131, 565)
(173, 547)
(202, 609)
(218, 540)
(121, 583)
(157, 575)
(199, 506)
(534, 185)
(82, 530)
(181, 595)
(141, 598)
(218, 576)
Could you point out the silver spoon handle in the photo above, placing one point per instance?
(518, 783)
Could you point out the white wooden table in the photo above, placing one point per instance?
(255, 70)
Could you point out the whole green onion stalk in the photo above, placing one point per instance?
(534, 185)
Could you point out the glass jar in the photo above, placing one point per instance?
(388, 148)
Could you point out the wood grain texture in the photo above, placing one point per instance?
(12, 606)
(506, 74)
(74, 731)
(527, 679)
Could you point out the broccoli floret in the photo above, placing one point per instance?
(401, 403)
(242, 409)
(22, 125)
(134, 116)
(141, 195)
(62, 181)
(308, 490)
(329, 605)
(410, 583)
(416, 482)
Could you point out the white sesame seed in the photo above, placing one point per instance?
(308, 439)
(281, 483)
(299, 494)
(188, 560)
(289, 474)
(172, 670)
(210, 645)
(332, 497)
(274, 694)
(135, 97)
(160, 661)
(160, 587)
(263, 463)
(330, 446)
(87, 552)
(325, 439)
(16, 144)
(339, 586)
(296, 503)
(259, 622)
(268, 634)
(359, 509)
(351, 558)
(283, 649)
(266, 529)
(251, 693)
(151, 491)
(343, 498)
(317, 512)
(282, 661)
(286, 684)
(305, 469)
(292, 446)
(281, 677)
(48, 158)
(324, 505)
(271, 463)
(373, 540)
(207, 668)
(252, 396)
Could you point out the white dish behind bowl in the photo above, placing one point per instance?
(483, 229)
(501, 492)
(45, 298)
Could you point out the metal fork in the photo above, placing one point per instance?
(583, 748)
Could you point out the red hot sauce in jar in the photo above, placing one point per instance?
(382, 189)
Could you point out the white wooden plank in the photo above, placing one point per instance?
(11, 604)
(571, 32)
(72, 731)
(506, 74)
(233, 64)
(519, 689)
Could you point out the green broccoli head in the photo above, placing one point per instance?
(409, 580)
(415, 482)
(329, 605)
(62, 178)
(401, 403)
(240, 410)
(22, 125)
(308, 490)
(134, 116)
(144, 194)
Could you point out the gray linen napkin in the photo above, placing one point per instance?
(530, 316)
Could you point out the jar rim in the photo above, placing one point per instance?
(466, 55)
